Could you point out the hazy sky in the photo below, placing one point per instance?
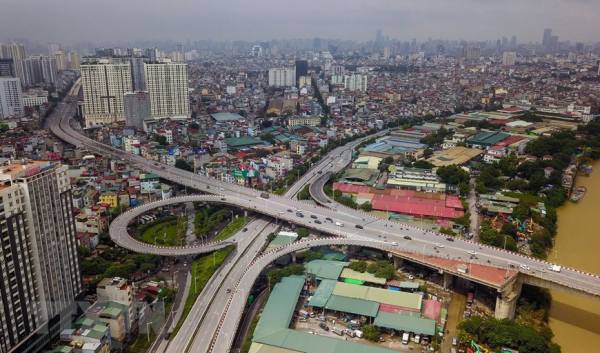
(70, 21)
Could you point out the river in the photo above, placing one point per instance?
(575, 320)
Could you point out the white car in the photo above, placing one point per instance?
(472, 253)
(439, 245)
(525, 267)
(280, 212)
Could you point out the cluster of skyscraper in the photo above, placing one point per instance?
(134, 88)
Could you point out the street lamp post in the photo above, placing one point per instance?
(424, 245)
(148, 329)
(505, 241)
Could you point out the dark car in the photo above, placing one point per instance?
(318, 222)
(290, 210)
(313, 216)
(450, 239)
(323, 326)
(244, 230)
(163, 168)
(328, 218)
(329, 201)
(359, 226)
(223, 199)
(407, 237)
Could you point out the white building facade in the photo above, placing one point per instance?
(167, 84)
(11, 98)
(104, 85)
(282, 77)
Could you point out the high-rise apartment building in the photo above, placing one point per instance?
(301, 68)
(137, 108)
(546, 37)
(282, 77)
(7, 68)
(509, 58)
(473, 52)
(52, 49)
(356, 82)
(39, 269)
(11, 98)
(167, 84)
(61, 60)
(16, 52)
(137, 73)
(103, 85)
(74, 59)
(513, 41)
(152, 54)
(177, 54)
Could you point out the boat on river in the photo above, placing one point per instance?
(578, 194)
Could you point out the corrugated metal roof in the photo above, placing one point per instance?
(352, 305)
(308, 343)
(325, 269)
(280, 308)
(262, 348)
(405, 323)
(366, 277)
(385, 296)
(323, 292)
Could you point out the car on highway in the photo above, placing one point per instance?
(541, 270)
(359, 226)
(471, 252)
(289, 210)
(329, 201)
(313, 216)
(245, 230)
(439, 245)
(223, 199)
(300, 215)
(450, 239)
(228, 290)
(317, 221)
(407, 237)
(163, 168)
(329, 219)
(525, 267)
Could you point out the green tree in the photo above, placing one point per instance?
(521, 212)
(270, 138)
(183, 164)
(310, 255)
(371, 333)
(162, 140)
(302, 232)
(359, 266)
(464, 188)
(428, 152)
(167, 294)
(423, 164)
(366, 207)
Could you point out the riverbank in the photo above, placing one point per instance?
(573, 319)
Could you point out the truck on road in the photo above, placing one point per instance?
(337, 331)
(554, 268)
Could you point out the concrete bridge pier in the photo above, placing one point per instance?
(448, 277)
(506, 303)
(398, 262)
(245, 213)
(293, 257)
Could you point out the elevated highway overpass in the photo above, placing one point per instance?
(373, 230)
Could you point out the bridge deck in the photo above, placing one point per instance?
(489, 274)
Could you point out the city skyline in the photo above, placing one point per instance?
(262, 20)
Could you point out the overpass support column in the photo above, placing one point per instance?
(293, 258)
(398, 262)
(506, 303)
(245, 213)
(448, 277)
